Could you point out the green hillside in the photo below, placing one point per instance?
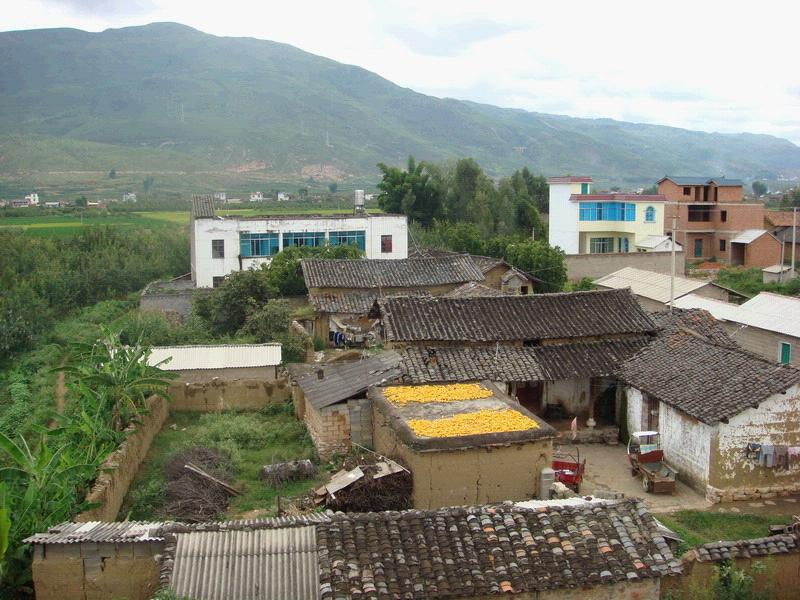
(170, 98)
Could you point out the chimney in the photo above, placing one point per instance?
(433, 360)
(321, 374)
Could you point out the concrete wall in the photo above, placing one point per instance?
(228, 229)
(776, 576)
(563, 224)
(598, 265)
(572, 394)
(360, 421)
(469, 476)
(219, 394)
(775, 421)
(763, 342)
(119, 469)
(92, 571)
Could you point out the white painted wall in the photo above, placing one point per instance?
(572, 394)
(563, 224)
(205, 268)
(636, 410)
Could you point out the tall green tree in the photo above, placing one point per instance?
(412, 192)
(759, 188)
(537, 258)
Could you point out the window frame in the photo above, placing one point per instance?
(687, 190)
(291, 239)
(261, 244)
(607, 243)
(723, 246)
(217, 280)
(356, 237)
(387, 244)
(723, 216)
(650, 214)
(216, 251)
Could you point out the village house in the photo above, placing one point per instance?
(332, 400)
(586, 223)
(343, 292)
(599, 551)
(652, 290)
(767, 324)
(728, 418)
(464, 443)
(779, 223)
(222, 245)
(714, 221)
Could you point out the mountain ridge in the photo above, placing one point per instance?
(234, 100)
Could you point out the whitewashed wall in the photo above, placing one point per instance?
(205, 268)
(636, 410)
(563, 223)
(572, 394)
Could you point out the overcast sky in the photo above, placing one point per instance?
(714, 66)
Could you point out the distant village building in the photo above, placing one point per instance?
(284, 197)
(256, 197)
(767, 324)
(32, 199)
(129, 197)
(714, 221)
(779, 224)
(52, 204)
(586, 223)
(220, 196)
(652, 290)
(222, 245)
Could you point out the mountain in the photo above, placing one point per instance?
(168, 96)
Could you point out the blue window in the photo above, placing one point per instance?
(258, 244)
(607, 211)
(650, 215)
(347, 238)
(303, 238)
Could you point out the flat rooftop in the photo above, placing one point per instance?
(457, 415)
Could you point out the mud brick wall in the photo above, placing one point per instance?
(221, 394)
(598, 265)
(119, 469)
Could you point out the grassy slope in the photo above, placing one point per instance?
(228, 101)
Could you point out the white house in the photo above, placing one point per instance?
(129, 197)
(222, 245)
(283, 197)
(256, 196)
(585, 223)
(32, 199)
(657, 243)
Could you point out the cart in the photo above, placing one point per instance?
(570, 472)
(647, 461)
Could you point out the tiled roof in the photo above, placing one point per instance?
(766, 546)
(203, 207)
(99, 531)
(217, 356)
(473, 289)
(517, 364)
(260, 564)
(697, 320)
(382, 273)
(779, 218)
(343, 380)
(512, 318)
(353, 302)
(467, 552)
(709, 381)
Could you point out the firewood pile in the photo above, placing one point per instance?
(196, 484)
(367, 482)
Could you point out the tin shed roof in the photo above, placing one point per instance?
(747, 236)
(223, 356)
(649, 284)
(772, 312)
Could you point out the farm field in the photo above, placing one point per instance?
(69, 224)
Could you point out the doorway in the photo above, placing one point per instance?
(698, 247)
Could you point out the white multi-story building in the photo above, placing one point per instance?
(586, 223)
(222, 245)
(256, 196)
(32, 199)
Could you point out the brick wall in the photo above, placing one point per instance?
(92, 571)
(360, 421)
(762, 252)
(329, 428)
(119, 469)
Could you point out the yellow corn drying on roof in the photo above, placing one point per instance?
(473, 423)
(435, 393)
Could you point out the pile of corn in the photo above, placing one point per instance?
(435, 393)
(473, 423)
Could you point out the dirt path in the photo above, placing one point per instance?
(61, 391)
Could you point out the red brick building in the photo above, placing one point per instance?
(715, 222)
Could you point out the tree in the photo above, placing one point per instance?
(302, 192)
(536, 186)
(759, 188)
(333, 187)
(112, 173)
(268, 322)
(147, 183)
(412, 192)
(650, 191)
(544, 263)
(225, 309)
(285, 275)
(80, 201)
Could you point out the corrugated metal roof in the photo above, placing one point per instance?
(652, 241)
(777, 269)
(748, 235)
(264, 564)
(99, 531)
(223, 356)
(649, 284)
(346, 379)
(724, 311)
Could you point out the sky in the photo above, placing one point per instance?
(713, 66)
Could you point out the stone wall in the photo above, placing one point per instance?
(119, 469)
(477, 475)
(92, 571)
(598, 265)
(220, 394)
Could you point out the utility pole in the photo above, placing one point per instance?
(794, 235)
(672, 267)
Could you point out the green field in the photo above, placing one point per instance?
(70, 224)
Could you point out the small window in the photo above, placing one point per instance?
(786, 353)
(723, 215)
(217, 281)
(687, 191)
(386, 244)
(722, 245)
(217, 248)
(584, 188)
(650, 214)
(523, 290)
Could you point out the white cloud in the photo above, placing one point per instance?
(705, 65)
